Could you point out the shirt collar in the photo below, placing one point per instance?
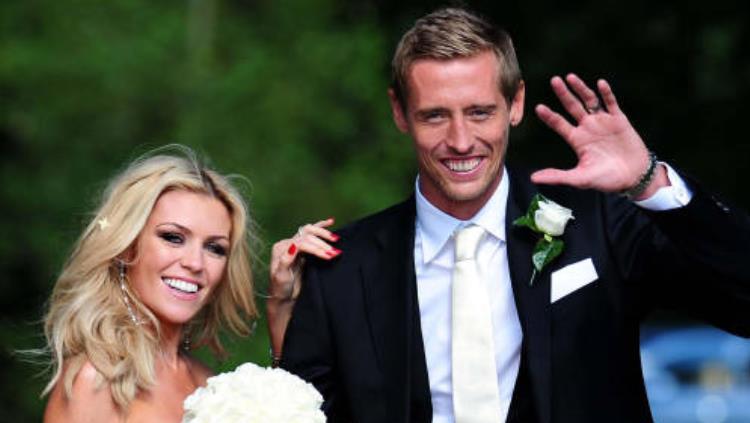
(435, 227)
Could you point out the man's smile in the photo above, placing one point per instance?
(462, 165)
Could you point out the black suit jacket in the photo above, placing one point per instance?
(355, 331)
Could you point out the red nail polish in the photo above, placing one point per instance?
(333, 252)
(292, 249)
(335, 237)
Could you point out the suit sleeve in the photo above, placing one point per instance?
(308, 350)
(715, 241)
(694, 259)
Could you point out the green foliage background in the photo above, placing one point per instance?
(292, 95)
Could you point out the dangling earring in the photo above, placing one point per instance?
(125, 298)
(186, 342)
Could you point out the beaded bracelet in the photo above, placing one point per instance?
(644, 181)
(275, 359)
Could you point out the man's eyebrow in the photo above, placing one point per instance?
(489, 106)
(430, 110)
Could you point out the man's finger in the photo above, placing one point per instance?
(609, 97)
(551, 176)
(556, 122)
(569, 101)
(586, 94)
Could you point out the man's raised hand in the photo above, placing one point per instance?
(611, 155)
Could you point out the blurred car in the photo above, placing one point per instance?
(696, 374)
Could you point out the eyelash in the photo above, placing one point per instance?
(172, 237)
(217, 249)
(177, 239)
(477, 114)
(433, 117)
(481, 114)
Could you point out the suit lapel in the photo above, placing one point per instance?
(532, 302)
(393, 309)
(393, 312)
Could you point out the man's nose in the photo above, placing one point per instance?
(459, 138)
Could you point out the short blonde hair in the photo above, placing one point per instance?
(451, 33)
(88, 320)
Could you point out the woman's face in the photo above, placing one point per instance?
(182, 255)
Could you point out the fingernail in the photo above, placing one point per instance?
(335, 237)
(292, 249)
(332, 218)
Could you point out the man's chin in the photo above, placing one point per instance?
(448, 194)
(465, 194)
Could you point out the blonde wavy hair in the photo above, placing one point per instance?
(88, 319)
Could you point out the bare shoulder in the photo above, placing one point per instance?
(89, 401)
(199, 371)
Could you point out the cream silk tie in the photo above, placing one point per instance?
(475, 393)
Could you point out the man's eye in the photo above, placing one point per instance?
(172, 237)
(480, 114)
(217, 249)
(432, 117)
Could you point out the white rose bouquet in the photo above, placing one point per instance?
(549, 219)
(253, 394)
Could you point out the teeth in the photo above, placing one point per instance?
(462, 165)
(181, 285)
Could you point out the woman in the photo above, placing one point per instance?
(286, 262)
(160, 268)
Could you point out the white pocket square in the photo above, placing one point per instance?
(572, 277)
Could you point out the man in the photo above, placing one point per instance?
(386, 332)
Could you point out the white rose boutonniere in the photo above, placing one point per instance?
(253, 394)
(549, 219)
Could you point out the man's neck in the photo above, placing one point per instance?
(461, 209)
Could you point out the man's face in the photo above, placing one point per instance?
(459, 121)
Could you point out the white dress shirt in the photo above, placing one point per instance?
(433, 264)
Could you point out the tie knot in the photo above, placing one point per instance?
(467, 240)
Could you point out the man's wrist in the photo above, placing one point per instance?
(645, 183)
(661, 180)
(672, 193)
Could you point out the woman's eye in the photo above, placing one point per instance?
(171, 237)
(217, 249)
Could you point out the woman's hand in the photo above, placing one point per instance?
(287, 257)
